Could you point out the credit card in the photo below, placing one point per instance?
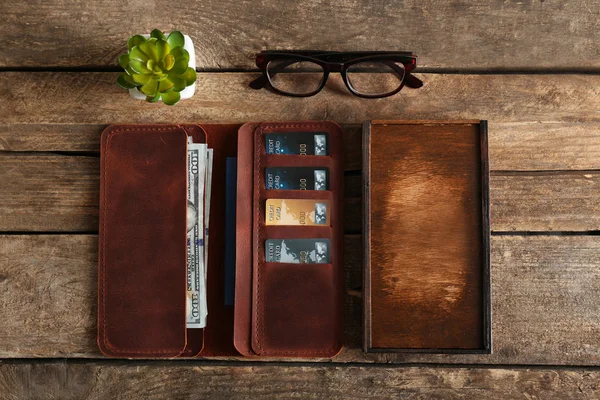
(303, 212)
(297, 178)
(298, 251)
(298, 143)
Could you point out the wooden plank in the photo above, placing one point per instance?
(54, 295)
(94, 98)
(546, 201)
(60, 193)
(546, 296)
(227, 33)
(54, 193)
(522, 110)
(544, 146)
(138, 381)
(514, 146)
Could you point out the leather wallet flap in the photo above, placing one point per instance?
(142, 241)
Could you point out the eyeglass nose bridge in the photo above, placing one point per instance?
(335, 66)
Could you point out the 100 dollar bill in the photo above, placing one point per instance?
(196, 290)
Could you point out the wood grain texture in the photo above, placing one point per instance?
(227, 33)
(546, 201)
(547, 145)
(94, 98)
(546, 298)
(545, 288)
(528, 146)
(60, 193)
(158, 381)
(423, 221)
(48, 287)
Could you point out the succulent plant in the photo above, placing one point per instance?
(157, 66)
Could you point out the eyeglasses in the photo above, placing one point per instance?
(366, 74)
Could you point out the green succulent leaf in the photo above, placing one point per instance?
(136, 53)
(129, 70)
(181, 62)
(150, 88)
(135, 41)
(189, 76)
(162, 48)
(176, 39)
(141, 79)
(168, 61)
(180, 52)
(171, 98)
(124, 60)
(139, 67)
(149, 48)
(124, 81)
(178, 81)
(165, 85)
(152, 99)
(157, 33)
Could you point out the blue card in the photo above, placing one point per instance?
(230, 206)
(297, 251)
(297, 178)
(298, 143)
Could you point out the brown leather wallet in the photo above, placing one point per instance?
(280, 310)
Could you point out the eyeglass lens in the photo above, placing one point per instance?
(294, 76)
(375, 78)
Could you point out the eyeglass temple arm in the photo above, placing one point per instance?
(409, 79)
(258, 83)
(412, 81)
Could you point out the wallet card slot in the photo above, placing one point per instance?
(270, 208)
(266, 194)
(293, 160)
(297, 311)
(332, 129)
(298, 232)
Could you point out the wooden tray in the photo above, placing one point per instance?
(426, 237)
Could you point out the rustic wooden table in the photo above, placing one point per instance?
(531, 68)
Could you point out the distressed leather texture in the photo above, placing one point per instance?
(296, 309)
(142, 241)
(282, 310)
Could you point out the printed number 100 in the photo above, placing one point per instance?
(302, 184)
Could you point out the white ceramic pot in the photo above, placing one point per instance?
(188, 91)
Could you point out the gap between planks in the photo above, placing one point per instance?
(420, 70)
(182, 362)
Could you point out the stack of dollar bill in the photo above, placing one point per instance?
(200, 160)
